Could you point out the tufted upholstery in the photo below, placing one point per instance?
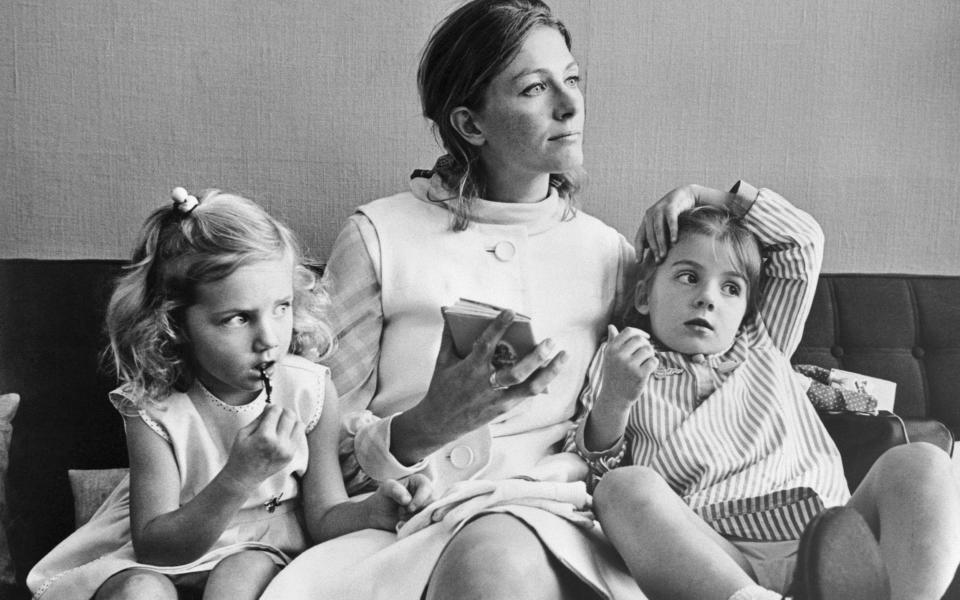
(903, 328)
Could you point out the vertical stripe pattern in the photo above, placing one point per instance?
(735, 436)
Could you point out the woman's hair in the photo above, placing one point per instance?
(178, 250)
(465, 52)
(729, 234)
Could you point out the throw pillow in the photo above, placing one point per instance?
(90, 488)
(8, 408)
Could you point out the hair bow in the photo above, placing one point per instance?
(183, 201)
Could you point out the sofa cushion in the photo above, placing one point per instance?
(904, 328)
(8, 408)
(90, 488)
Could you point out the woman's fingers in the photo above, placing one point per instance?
(421, 489)
(527, 365)
(395, 491)
(538, 381)
(486, 342)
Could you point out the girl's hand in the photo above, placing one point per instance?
(658, 227)
(462, 397)
(265, 445)
(628, 362)
(396, 501)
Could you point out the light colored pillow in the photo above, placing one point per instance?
(90, 488)
(8, 409)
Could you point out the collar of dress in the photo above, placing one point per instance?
(535, 216)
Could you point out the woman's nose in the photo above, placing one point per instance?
(569, 102)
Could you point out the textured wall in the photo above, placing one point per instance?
(851, 109)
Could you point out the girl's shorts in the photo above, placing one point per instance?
(772, 562)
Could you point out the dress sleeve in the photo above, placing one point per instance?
(792, 245)
(352, 279)
(127, 405)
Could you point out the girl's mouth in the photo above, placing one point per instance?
(700, 323)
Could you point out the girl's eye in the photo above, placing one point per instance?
(534, 90)
(686, 277)
(235, 321)
(732, 288)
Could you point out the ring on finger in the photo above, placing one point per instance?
(494, 384)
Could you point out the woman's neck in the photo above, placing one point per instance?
(501, 186)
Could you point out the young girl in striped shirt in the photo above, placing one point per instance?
(731, 464)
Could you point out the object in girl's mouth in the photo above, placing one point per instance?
(266, 382)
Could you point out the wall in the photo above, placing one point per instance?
(851, 109)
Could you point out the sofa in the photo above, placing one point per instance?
(904, 328)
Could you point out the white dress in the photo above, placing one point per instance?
(567, 274)
(200, 430)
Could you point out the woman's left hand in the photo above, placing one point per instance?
(396, 501)
(658, 227)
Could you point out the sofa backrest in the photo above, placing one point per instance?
(899, 327)
(904, 328)
(51, 318)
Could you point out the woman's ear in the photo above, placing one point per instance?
(640, 301)
(464, 122)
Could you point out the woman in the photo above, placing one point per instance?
(494, 221)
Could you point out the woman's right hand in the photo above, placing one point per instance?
(265, 445)
(461, 396)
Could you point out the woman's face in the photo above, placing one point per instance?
(532, 118)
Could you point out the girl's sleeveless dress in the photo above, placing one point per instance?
(200, 431)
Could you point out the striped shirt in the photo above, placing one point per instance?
(735, 435)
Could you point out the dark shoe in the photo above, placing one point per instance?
(839, 559)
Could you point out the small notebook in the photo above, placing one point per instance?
(467, 319)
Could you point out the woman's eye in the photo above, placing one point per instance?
(573, 81)
(534, 90)
(282, 309)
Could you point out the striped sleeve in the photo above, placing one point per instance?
(599, 461)
(792, 244)
(350, 278)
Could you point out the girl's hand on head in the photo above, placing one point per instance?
(396, 501)
(462, 395)
(265, 445)
(628, 362)
(658, 227)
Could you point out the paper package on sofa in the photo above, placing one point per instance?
(467, 319)
(884, 391)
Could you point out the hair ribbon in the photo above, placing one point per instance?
(183, 201)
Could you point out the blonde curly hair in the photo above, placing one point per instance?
(175, 252)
